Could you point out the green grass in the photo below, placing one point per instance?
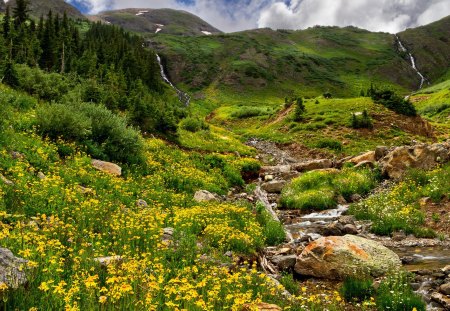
(318, 190)
(357, 289)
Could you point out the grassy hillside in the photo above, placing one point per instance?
(434, 104)
(168, 21)
(40, 8)
(430, 45)
(311, 62)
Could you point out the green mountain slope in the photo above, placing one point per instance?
(339, 60)
(166, 21)
(430, 45)
(41, 7)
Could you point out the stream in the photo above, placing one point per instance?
(183, 97)
(413, 62)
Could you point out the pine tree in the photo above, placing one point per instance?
(20, 12)
(10, 75)
(299, 109)
(7, 24)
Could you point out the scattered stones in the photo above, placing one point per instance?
(333, 229)
(313, 165)
(274, 186)
(41, 176)
(85, 190)
(355, 198)
(17, 155)
(268, 178)
(441, 299)
(347, 220)
(107, 167)
(338, 257)
(350, 229)
(204, 196)
(6, 181)
(168, 234)
(262, 306)
(12, 271)
(398, 236)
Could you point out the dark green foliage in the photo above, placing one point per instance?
(10, 75)
(361, 121)
(357, 290)
(104, 134)
(392, 101)
(194, 125)
(396, 294)
(248, 112)
(327, 95)
(273, 230)
(287, 280)
(330, 144)
(299, 109)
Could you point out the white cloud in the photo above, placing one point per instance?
(234, 15)
(382, 15)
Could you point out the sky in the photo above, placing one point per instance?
(233, 15)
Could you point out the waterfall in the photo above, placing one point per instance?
(183, 97)
(413, 62)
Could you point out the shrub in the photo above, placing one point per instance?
(361, 121)
(396, 294)
(193, 125)
(287, 280)
(248, 112)
(392, 101)
(329, 144)
(320, 199)
(273, 230)
(355, 289)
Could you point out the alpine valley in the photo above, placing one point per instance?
(150, 161)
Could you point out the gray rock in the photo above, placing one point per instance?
(313, 165)
(168, 234)
(284, 262)
(12, 269)
(347, 220)
(17, 155)
(107, 167)
(365, 164)
(268, 178)
(441, 299)
(141, 203)
(274, 186)
(204, 196)
(398, 236)
(41, 176)
(108, 260)
(355, 198)
(445, 289)
(6, 181)
(333, 229)
(381, 152)
(350, 229)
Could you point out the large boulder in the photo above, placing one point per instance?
(12, 269)
(339, 257)
(274, 186)
(107, 167)
(313, 165)
(363, 158)
(422, 156)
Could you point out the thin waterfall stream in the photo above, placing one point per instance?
(183, 97)
(412, 60)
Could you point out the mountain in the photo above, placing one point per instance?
(165, 21)
(312, 61)
(42, 7)
(430, 46)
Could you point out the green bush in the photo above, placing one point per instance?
(320, 199)
(329, 144)
(396, 294)
(361, 121)
(392, 101)
(273, 230)
(356, 289)
(193, 125)
(248, 112)
(58, 120)
(287, 280)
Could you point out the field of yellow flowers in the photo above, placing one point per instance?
(94, 241)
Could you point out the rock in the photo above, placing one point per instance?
(441, 299)
(262, 306)
(355, 198)
(381, 152)
(341, 200)
(366, 157)
(446, 270)
(168, 234)
(17, 155)
(313, 165)
(85, 190)
(268, 177)
(398, 236)
(445, 289)
(107, 167)
(350, 229)
(425, 201)
(141, 203)
(365, 164)
(12, 269)
(284, 262)
(6, 181)
(204, 196)
(347, 220)
(276, 170)
(340, 257)
(423, 156)
(106, 261)
(333, 229)
(274, 186)
(41, 176)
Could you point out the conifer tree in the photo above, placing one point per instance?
(20, 12)
(7, 24)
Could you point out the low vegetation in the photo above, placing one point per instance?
(319, 190)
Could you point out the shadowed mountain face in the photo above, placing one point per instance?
(165, 21)
(42, 7)
(430, 45)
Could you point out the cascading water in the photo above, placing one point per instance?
(183, 97)
(413, 62)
